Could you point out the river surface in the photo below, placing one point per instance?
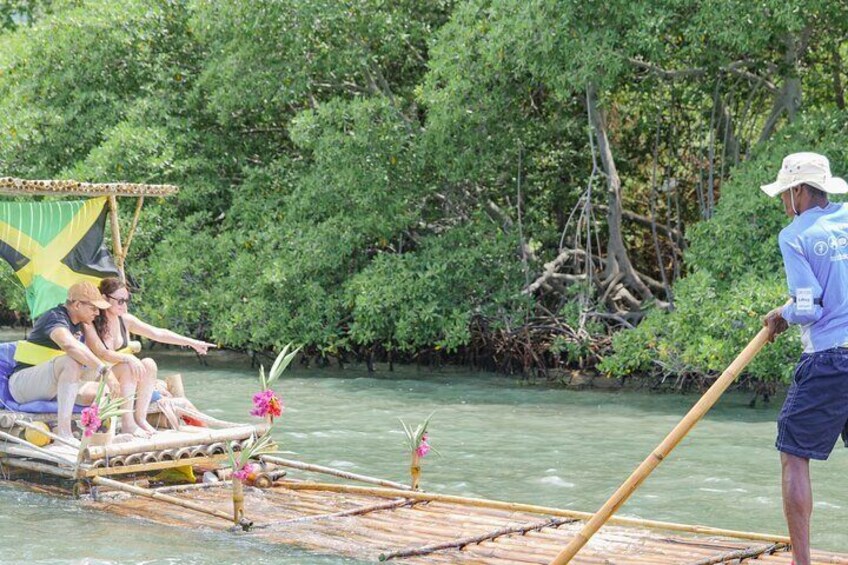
(496, 438)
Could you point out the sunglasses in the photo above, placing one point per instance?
(120, 301)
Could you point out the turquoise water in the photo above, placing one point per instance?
(496, 439)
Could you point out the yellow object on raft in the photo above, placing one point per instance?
(35, 437)
(176, 475)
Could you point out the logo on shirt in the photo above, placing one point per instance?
(837, 242)
(835, 245)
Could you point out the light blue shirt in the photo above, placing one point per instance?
(815, 254)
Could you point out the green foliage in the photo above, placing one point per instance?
(746, 222)
(737, 273)
(349, 171)
(426, 298)
(18, 13)
(707, 330)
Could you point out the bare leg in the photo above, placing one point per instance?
(128, 386)
(67, 373)
(797, 504)
(87, 393)
(145, 392)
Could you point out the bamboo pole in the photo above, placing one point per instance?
(172, 440)
(116, 235)
(238, 500)
(26, 451)
(9, 185)
(134, 224)
(49, 434)
(488, 536)
(332, 471)
(8, 418)
(265, 480)
(219, 447)
(39, 450)
(148, 493)
(175, 385)
(101, 471)
(38, 467)
(531, 508)
(192, 487)
(661, 452)
(415, 471)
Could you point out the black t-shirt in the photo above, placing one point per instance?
(57, 317)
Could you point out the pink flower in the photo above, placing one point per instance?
(423, 447)
(265, 403)
(90, 419)
(243, 473)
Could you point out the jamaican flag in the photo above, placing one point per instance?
(52, 245)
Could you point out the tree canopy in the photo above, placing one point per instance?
(498, 181)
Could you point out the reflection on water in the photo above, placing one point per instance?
(497, 439)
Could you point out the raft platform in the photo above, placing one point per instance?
(384, 523)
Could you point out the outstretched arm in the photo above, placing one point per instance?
(136, 326)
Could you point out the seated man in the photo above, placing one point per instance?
(53, 360)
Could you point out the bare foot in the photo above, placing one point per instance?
(144, 425)
(141, 433)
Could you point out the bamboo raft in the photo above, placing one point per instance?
(355, 516)
(386, 521)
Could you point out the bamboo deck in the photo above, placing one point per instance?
(314, 520)
(375, 523)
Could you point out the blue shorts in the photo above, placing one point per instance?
(816, 407)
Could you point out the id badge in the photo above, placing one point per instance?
(804, 300)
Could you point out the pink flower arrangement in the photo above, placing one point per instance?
(267, 403)
(423, 447)
(243, 473)
(90, 419)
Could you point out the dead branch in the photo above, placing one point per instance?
(736, 68)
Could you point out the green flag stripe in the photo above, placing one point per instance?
(42, 221)
(34, 235)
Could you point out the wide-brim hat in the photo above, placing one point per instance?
(806, 168)
(87, 292)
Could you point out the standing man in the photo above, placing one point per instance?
(53, 360)
(815, 255)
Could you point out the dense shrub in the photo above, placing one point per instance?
(736, 273)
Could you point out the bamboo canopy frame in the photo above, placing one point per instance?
(9, 185)
(15, 186)
(661, 452)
